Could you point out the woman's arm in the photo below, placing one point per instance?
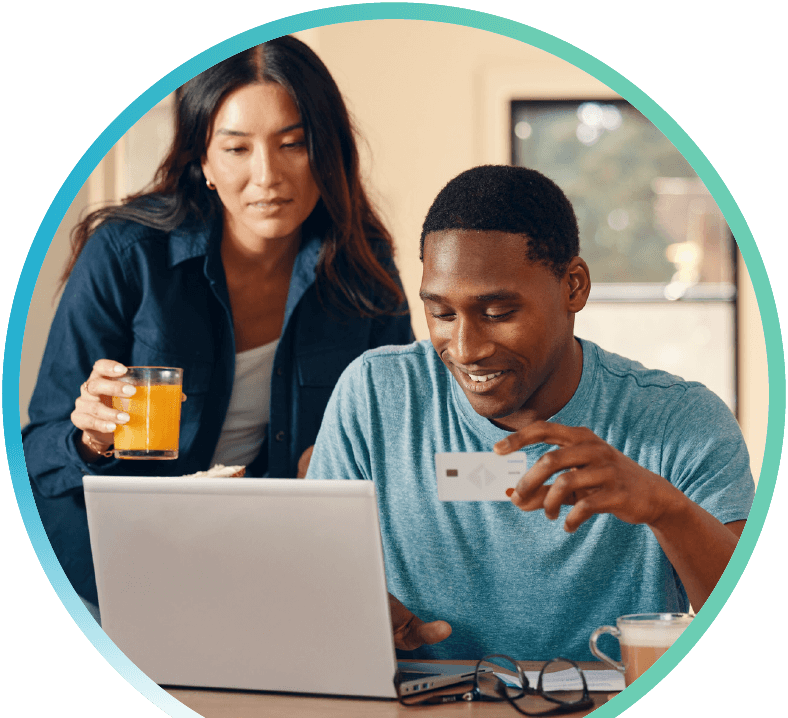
(93, 321)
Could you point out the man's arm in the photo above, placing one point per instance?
(698, 546)
(598, 478)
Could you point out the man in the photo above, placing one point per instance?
(638, 483)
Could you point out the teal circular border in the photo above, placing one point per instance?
(399, 11)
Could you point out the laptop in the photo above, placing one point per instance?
(255, 584)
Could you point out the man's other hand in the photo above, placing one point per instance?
(410, 632)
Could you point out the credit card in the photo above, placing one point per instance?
(478, 475)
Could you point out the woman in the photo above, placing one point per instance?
(256, 263)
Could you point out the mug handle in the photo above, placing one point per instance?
(613, 631)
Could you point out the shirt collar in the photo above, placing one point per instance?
(303, 275)
(189, 240)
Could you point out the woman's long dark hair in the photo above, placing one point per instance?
(350, 275)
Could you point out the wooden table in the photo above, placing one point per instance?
(256, 704)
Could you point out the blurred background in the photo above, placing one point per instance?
(430, 100)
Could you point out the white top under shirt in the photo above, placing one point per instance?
(248, 415)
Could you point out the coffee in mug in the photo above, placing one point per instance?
(643, 637)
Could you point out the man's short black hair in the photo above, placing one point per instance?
(516, 200)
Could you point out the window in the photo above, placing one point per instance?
(662, 259)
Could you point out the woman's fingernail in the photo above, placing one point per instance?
(128, 390)
(123, 417)
(110, 426)
(509, 492)
(120, 369)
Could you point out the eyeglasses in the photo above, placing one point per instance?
(560, 687)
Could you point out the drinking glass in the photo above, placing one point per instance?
(153, 430)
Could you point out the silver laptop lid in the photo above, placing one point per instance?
(263, 584)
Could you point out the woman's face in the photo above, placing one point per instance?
(258, 161)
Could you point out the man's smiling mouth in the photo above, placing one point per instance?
(484, 377)
(478, 382)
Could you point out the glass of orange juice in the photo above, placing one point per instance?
(153, 430)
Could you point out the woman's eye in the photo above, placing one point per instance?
(294, 145)
(235, 150)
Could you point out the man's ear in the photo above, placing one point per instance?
(578, 283)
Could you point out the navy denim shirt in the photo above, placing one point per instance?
(148, 298)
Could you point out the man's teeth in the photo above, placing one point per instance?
(484, 377)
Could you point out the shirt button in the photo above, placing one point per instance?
(279, 371)
(280, 435)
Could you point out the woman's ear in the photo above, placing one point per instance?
(205, 171)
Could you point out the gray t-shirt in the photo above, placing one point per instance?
(510, 581)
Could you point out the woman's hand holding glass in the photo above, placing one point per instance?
(93, 412)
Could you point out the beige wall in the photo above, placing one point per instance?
(431, 100)
(753, 372)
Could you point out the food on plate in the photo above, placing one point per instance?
(219, 471)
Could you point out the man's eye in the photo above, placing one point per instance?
(498, 315)
(235, 150)
(442, 315)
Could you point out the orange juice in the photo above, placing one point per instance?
(153, 429)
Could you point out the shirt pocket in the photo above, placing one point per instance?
(317, 375)
(323, 369)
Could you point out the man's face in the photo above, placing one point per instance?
(503, 325)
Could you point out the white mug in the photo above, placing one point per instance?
(643, 637)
